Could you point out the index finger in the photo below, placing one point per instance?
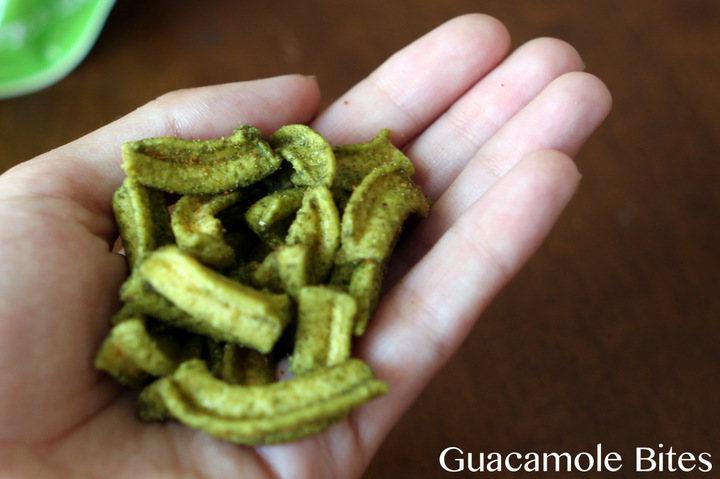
(414, 86)
(87, 170)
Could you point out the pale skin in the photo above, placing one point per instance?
(492, 134)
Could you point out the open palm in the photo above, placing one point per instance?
(491, 136)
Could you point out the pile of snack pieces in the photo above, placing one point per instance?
(243, 251)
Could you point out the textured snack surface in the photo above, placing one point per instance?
(275, 248)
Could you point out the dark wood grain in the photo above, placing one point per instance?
(610, 335)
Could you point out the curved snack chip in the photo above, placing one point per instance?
(274, 249)
(326, 318)
(317, 225)
(363, 281)
(265, 217)
(143, 219)
(355, 162)
(133, 354)
(376, 211)
(278, 412)
(199, 232)
(287, 269)
(201, 166)
(242, 314)
(311, 156)
(307, 253)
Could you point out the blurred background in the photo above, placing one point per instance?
(610, 334)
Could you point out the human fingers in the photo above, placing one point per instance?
(423, 319)
(443, 149)
(414, 86)
(88, 169)
(561, 117)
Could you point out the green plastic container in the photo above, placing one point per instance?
(41, 41)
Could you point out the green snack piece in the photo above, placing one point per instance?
(293, 265)
(140, 297)
(363, 281)
(371, 224)
(326, 318)
(199, 232)
(306, 255)
(365, 286)
(239, 365)
(127, 311)
(151, 402)
(311, 156)
(114, 359)
(215, 305)
(267, 414)
(375, 213)
(317, 225)
(286, 269)
(266, 430)
(356, 161)
(132, 354)
(201, 166)
(265, 217)
(142, 217)
(222, 399)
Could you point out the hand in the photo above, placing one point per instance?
(491, 136)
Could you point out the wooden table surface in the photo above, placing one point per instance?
(610, 334)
